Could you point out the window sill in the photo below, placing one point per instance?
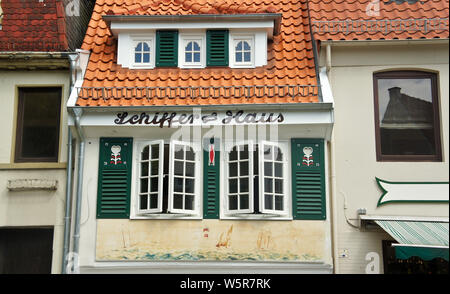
(165, 216)
(33, 165)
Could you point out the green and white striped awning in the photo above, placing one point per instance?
(425, 239)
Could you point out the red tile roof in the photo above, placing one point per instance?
(33, 26)
(379, 19)
(290, 57)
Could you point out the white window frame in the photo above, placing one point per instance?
(141, 147)
(197, 175)
(184, 39)
(150, 40)
(234, 40)
(225, 183)
(262, 193)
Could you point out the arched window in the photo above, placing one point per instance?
(192, 52)
(407, 116)
(142, 53)
(243, 52)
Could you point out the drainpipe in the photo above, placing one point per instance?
(66, 245)
(77, 112)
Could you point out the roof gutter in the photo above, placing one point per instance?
(276, 17)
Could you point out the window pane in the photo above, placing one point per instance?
(243, 152)
(155, 151)
(238, 56)
(179, 152)
(278, 186)
(178, 168)
(188, 57)
(233, 169)
(189, 46)
(268, 153)
(189, 202)
(268, 168)
(144, 169)
(146, 47)
(154, 167)
(178, 201)
(178, 185)
(197, 57)
(233, 154)
(146, 57)
(268, 185)
(232, 202)
(232, 186)
(143, 202)
(154, 184)
(243, 185)
(406, 116)
(268, 201)
(144, 153)
(246, 46)
(189, 188)
(190, 169)
(39, 132)
(278, 155)
(153, 201)
(278, 203)
(139, 47)
(138, 57)
(244, 168)
(247, 56)
(144, 185)
(190, 155)
(278, 170)
(196, 46)
(239, 46)
(243, 202)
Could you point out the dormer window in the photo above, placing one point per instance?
(142, 52)
(242, 51)
(192, 51)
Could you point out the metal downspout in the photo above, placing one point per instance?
(76, 234)
(67, 219)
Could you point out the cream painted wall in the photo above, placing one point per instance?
(354, 141)
(38, 207)
(101, 241)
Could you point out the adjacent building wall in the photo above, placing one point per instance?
(352, 69)
(37, 208)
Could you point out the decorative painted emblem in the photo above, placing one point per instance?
(115, 155)
(211, 153)
(308, 159)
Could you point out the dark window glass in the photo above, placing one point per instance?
(407, 121)
(38, 118)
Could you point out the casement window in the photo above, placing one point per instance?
(407, 124)
(192, 51)
(256, 179)
(243, 51)
(38, 124)
(143, 52)
(168, 179)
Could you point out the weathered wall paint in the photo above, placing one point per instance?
(210, 240)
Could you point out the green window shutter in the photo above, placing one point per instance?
(114, 177)
(308, 179)
(217, 48)
(166, 48)
(211, 179)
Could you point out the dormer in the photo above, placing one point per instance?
(193, 41)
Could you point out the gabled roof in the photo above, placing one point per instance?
(288, 77)
(33, 26)
(379, 19)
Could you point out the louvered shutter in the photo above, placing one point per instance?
(166, 48)
(217, 48)
(114, 177)
(211, 179)
(308, 179)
